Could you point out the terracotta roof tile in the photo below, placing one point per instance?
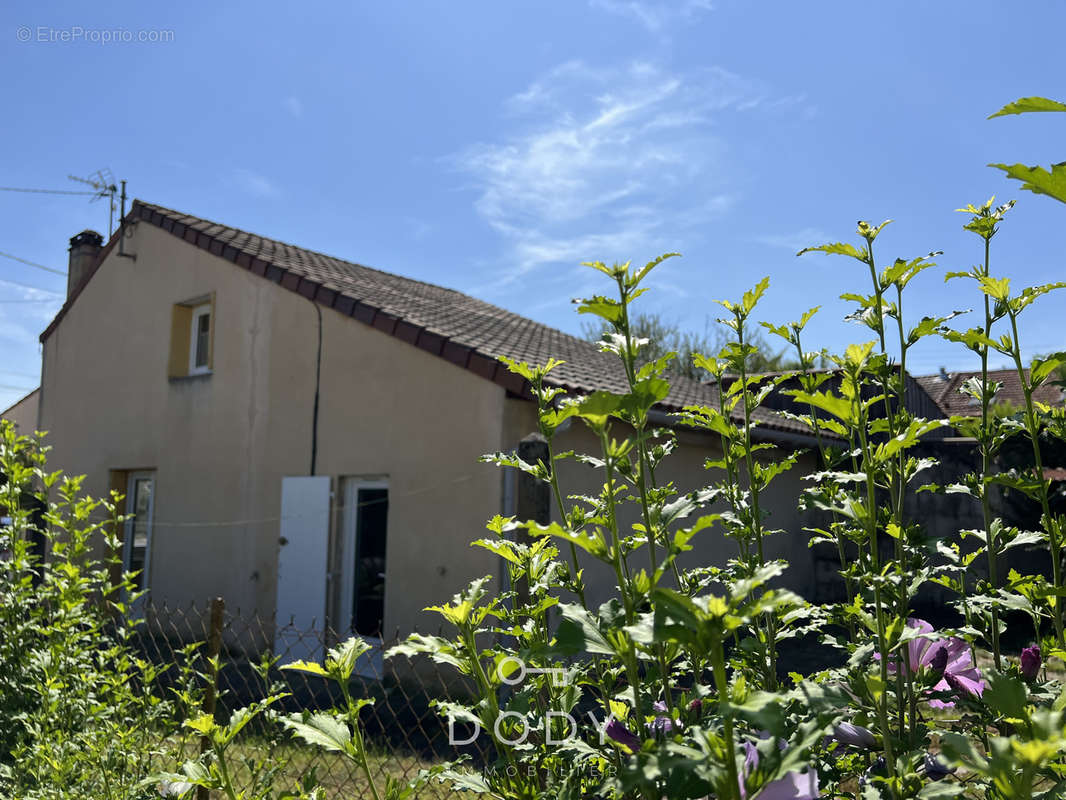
(944, 389)
(453, 321)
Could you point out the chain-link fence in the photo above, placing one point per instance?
(404, 732)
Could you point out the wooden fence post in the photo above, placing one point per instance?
(214, 647)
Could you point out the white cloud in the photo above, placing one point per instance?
(807, 237)
(254, 183)
(294, 106)
(604, 163)
(654, 15)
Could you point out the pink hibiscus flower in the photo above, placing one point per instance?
(950, 656)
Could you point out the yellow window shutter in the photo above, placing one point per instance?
(180, 329)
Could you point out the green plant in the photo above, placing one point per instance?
(83, 714)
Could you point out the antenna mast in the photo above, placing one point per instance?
(103, 182)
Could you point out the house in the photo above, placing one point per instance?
(300, 434)
(944, 389)
(23, 413)
(957, 456)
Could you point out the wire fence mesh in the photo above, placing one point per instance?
(404, 731)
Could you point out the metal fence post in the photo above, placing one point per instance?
(214, 647)
(532, 496)
(533, 500)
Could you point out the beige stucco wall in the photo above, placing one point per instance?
(220, 444)
(685, 468)
(24, 413)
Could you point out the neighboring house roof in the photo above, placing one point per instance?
(464, 330)
(17, 403)
(916, 396)
(23, 412)
(944, 389)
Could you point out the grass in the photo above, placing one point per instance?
(287, 763)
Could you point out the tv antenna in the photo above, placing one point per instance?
(103, 184)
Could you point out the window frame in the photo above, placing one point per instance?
(133, 476)
(184, 317)
(196, 314)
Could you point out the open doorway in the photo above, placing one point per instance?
(363, 534)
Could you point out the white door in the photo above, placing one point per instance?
(303, 554)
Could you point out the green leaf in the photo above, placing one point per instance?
(1029, 105)
(996, 288)
(204, 723)
(591, 542)
(467, 781)
(752, 296)
(341, 660)
(837, 249)
(1042, 368)
(310, 667)
(837, 406)
(962, 749)
(645, 394)
(934, 790)
(578, 632)
(650, 266)
(502, 547)
(320, 729)
(603, 307)
(597, 407)
(1005, 694)
(1037, 179)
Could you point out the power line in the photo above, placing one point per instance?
(16, 388)
(33, 264)
(33, 300)
(43, 191)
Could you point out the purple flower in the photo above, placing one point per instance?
(662, 722)
(621, 734)
(950, 657)
(856, 735)
(793, 786)
(935, 769)
(1031, 662)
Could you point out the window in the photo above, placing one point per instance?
(200, 342)
(137, 544)
(192, 337)
(364, 525)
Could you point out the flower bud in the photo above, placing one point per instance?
(940, 660)
(847, 733)
(935, 768)
(1031, 662)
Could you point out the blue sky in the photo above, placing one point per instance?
(492, 146)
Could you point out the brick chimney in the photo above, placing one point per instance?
(84, 248)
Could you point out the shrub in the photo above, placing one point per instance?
(80, 715)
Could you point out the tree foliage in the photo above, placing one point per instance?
(665, 336)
